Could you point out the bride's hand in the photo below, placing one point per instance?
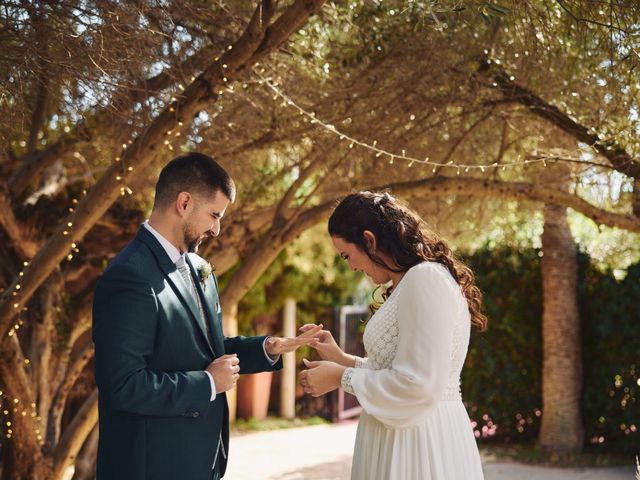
(326, 347)
(321, 377)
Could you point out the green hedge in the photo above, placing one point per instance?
(610, 312)
(502, 379)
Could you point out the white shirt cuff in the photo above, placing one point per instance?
(213, 386)
(272, 360)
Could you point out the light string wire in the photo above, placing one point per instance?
(392, 156)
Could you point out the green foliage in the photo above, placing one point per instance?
(611, 394)
(308, 271)
(274, 423)
(609, 248)
(502, 378)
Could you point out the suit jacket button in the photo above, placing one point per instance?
(196, 414)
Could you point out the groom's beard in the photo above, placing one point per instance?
(192, 239)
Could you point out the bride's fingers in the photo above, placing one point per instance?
(309, 364)
(311, 331)
(307, 326)
(322, 347)
(296, 342)
(303, 340)
(290, 344)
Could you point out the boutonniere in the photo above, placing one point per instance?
(204, 272)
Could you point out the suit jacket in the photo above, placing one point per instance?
(156, 419)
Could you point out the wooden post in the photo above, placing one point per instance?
(288, 375)
(230, 329)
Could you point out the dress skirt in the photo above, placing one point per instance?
(442, 447)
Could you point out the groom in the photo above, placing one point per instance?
(162, 364)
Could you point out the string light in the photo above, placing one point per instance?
(20, 410)
(311, 117)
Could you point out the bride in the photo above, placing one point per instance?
(414, 425)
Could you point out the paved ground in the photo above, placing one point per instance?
(324, 453)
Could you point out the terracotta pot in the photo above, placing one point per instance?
(253, 395)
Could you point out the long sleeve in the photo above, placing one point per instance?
(252, 355)
(401, 395)
(125, 316)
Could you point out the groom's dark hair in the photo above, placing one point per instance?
(195, 173)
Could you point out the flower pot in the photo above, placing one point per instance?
(253, 395)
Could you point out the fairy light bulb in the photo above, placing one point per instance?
(312, 117)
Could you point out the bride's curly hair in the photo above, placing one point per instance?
(401, 234)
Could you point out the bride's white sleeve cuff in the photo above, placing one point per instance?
(346, 380)
(360, 362)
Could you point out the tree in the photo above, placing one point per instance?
(123, 89)
(44, 452)
(561, 429)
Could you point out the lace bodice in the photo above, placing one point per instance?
(381, 335)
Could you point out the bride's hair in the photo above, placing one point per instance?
(401, 234)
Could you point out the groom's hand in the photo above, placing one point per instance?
(278, 345)
(224, 371)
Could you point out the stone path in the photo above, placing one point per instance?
(324, 453)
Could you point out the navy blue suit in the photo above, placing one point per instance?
(155, 415)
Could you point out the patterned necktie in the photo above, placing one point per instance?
(185, 271)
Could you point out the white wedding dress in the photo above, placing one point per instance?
(414, 425)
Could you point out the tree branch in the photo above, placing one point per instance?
(313, 166)
(617, 156)
(589, 20)
(521, 191)
(74, 369)
(24, 246)
(34, 163)
(271, 244)
(39, 111)
(143, 151)
(75, 435)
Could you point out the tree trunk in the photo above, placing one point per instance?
(562, 429)
(86, 461)
(75, 435)
(24, 461)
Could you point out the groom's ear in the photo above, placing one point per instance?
(183, 203)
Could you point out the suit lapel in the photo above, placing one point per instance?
(175, 279)
(210, 302)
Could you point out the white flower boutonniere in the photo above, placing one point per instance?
(204, 272)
